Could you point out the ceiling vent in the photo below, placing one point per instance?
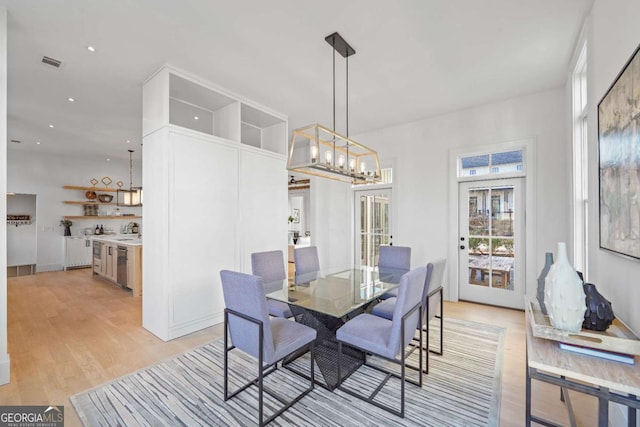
(51, 61)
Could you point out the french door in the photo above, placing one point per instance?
(372, 224)
(491, 242)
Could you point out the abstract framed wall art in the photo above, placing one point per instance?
(619, 162)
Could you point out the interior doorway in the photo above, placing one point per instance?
(22, 238)
(373, 224)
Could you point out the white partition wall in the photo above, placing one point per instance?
(214, 191)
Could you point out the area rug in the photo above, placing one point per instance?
(461, 389)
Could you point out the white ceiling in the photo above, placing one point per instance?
(415, 58)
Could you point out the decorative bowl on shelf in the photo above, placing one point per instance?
(105, 198)
(91, 195)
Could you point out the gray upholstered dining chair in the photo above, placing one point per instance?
(393, 258)
(270, 266)
(252, 331)
(388, 339)
(306, 259)
(432, 286)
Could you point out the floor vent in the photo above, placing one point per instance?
(51, 61)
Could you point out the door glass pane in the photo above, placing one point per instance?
(491, 237)
(479, 212)
(374, 227)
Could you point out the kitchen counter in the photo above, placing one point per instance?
(119, 239)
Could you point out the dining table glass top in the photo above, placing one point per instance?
(335, 292)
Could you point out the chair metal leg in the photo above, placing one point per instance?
(260, 375)
(226, 357)
(441, 328)
(420, 362)
(403, 367)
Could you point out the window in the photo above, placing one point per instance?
(580, 163)
(506, 162)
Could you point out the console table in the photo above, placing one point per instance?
(607, 380)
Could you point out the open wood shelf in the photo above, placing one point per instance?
(105, 189)
(89, 202)
(104, 217)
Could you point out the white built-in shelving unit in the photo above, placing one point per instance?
(215, 191)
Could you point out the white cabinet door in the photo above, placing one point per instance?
(263, 204)
(203, 218)
(75, 252)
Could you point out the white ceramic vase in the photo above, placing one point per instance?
(564, 294)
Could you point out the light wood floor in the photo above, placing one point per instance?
(69, 332)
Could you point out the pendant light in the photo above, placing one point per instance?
(320, 151)
(132, 196)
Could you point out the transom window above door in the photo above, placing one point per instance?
(498, 163)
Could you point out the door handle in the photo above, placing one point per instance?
(461, 246)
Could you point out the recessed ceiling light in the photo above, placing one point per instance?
(195, 118)
(128, 141)
(91, 48)
(108, 160)
(51, 126)
(71, 99)
(38, 142)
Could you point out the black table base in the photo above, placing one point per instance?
(326, 347)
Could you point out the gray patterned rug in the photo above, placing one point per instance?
(462, 389)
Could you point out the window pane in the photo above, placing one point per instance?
(494, 163)
(478, 164)
(509, 161)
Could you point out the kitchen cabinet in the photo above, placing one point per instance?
(215, 191)
(107, 267)
(78, 252)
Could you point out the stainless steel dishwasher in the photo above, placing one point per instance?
(122, 267)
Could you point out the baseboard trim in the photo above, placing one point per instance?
(187, 328)
(41, 268)
(177, 331)
(5, 370)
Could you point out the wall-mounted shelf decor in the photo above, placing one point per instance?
(94, 197)
(101, 217)
(17, 220)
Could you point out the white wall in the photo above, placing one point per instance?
(4, 355)
(44, 175)
(22, 239)
(331, 222)
(420, 154)
(612, 36)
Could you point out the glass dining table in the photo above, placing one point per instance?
(326, 300)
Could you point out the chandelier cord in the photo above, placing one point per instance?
(334, 85)
(130, 170)
(347, 95)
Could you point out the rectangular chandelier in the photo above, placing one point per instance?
(317, 150)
